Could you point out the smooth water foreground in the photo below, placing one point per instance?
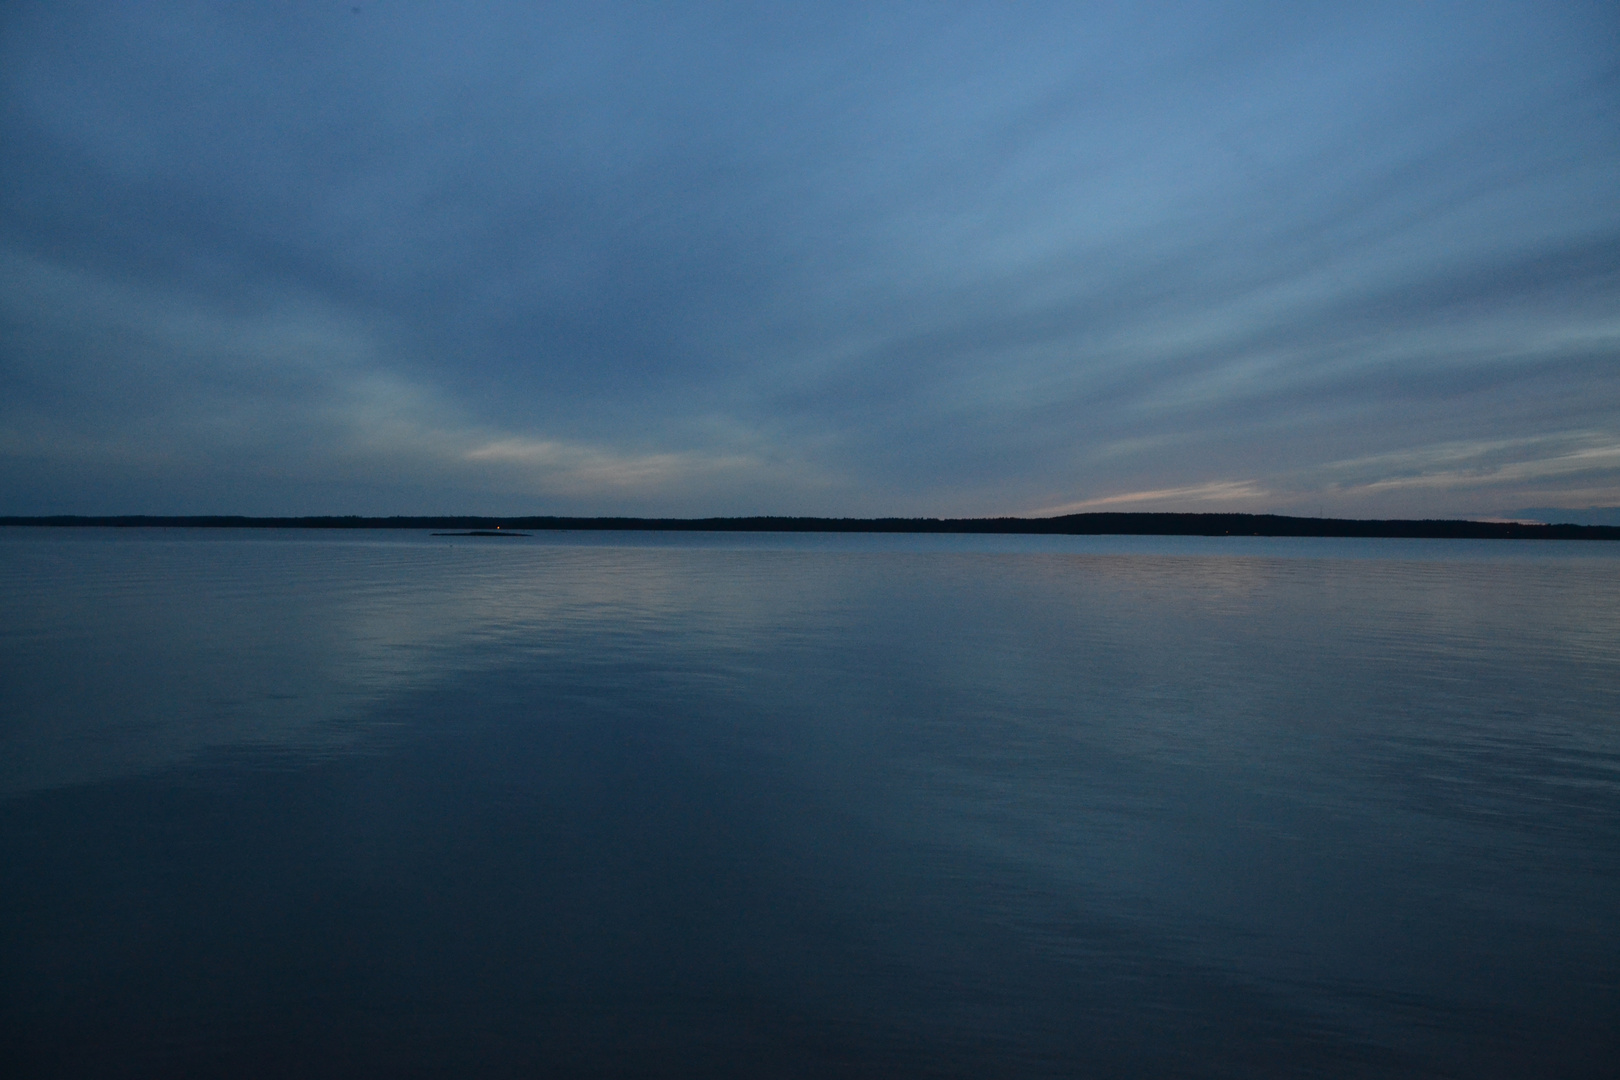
(316, 803)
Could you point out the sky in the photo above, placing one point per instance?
(858, 259)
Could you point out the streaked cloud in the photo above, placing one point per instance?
(1460, 466)
(843, 259)
(1243, 491)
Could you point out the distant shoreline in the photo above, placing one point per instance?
(1067, 525)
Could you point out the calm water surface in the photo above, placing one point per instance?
(321, 804)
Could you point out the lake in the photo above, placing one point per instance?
(322, 803)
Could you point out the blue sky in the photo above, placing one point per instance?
(920, 259)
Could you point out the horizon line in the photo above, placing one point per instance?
(1140, 523)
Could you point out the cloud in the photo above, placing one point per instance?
(562, 468)
(1585, 463)
(1222, 491)
(1591, 456)
(226, 391)
(833, 259)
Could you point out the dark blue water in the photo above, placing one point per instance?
(318, 804)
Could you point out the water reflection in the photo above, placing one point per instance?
(687, 805)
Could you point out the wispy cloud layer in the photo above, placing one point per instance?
(809, 259)
(1579, 465)
(1220, 491)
